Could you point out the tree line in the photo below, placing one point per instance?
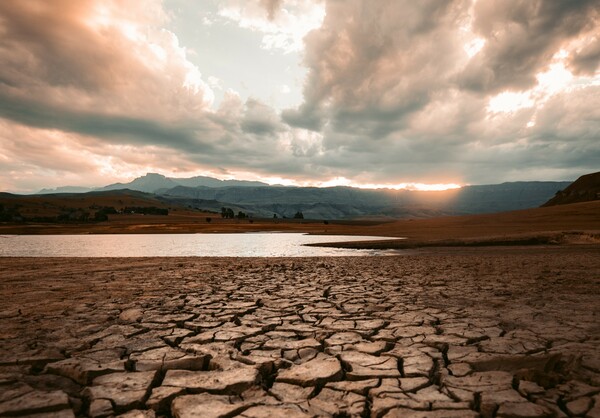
(228, 213)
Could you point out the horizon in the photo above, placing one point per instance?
(405, 187)
(425, 96)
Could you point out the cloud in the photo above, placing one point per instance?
(112, 128)
(433, 91)
(522, 37)
(283, 23)
(260, 119)
(370, 65)
(272, 7)
(97, 55)
(585, 59)
(93, 71)
(423, 91)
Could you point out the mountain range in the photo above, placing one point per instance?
(262, 200)
(347, 202)
(154, 183)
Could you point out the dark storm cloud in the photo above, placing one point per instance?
(587, 59)
(49, 40)
(112, 128)
(521, 38)
(306, 116)
(260, 119)
(370, 64)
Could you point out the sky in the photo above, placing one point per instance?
(393, 93)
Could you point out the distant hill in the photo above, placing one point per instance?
(66, 189)
(45, 206)
(212, 182)
(585, 189)
(156, 183)
(348, 202)
(262, 200)
(149, 183)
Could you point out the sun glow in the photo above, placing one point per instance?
(474, 46)
(510, 102)
(423, 187)
(556, 79)
(339, 181)
(342, 181)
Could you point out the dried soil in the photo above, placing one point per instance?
(433, 333)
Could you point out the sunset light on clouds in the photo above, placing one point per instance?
(423, 95)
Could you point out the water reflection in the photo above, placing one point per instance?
(179, 245)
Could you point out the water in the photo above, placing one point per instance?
(179, 245)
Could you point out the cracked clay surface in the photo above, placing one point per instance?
(444, 333)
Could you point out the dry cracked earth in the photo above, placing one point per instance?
(446, 333)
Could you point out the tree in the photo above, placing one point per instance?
(241, 215)
(227, 213)
(298, 215)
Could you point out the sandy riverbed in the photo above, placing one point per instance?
(434, 333)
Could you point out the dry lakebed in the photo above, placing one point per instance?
(455, 332)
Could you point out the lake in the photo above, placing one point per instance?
(180, 245)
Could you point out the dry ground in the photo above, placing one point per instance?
(508, 332)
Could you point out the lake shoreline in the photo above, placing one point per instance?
(280, 244)
(560, 238)
(577, 223)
